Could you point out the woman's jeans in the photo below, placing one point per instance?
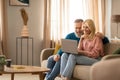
(68, 62)
(54, 68)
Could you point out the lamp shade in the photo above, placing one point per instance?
(116, 18)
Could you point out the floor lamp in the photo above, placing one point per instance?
(116, 19)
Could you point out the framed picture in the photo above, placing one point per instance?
(19, 2)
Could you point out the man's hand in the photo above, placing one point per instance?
(56, 57)
(99, 35)
(79, 51)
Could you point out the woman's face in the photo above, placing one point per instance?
(86, 29)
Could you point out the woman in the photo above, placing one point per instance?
(90, 49)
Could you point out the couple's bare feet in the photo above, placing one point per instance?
(64, 78)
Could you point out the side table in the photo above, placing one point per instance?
(25, 43)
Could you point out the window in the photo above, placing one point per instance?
(63, 14)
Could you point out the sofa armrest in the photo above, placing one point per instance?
(45, 53)
(112, 56)
(105, 70)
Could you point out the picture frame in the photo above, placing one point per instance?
(19, 2)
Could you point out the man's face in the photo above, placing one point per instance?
(78, 29)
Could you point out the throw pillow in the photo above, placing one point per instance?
(117, 51)
(57, 47)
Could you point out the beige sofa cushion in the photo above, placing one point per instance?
(81, 72)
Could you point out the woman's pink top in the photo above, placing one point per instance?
(92, 48)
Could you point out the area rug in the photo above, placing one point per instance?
(22, 77)
(19, 77)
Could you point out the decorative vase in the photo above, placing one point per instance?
(25, 32)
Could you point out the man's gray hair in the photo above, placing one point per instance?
(78, 20)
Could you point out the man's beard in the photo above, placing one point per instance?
(78, 34)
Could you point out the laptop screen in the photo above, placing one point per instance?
(69, 46)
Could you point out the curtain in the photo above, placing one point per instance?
(46, 31)
(59, 20)
(3, 29)
(1, 50)
(55, 21)
(97, 12)
(95, 9)
(59, 17)
(0, 32)
(102, 16)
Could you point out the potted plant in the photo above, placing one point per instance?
(2, 62)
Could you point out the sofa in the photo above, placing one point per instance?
(81, 72)
(106, 69)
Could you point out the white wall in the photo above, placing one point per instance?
(35, 23)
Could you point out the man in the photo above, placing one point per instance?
(54, 61)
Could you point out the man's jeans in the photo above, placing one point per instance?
(54, 68)
(68, 62)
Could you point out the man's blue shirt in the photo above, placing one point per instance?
(72, 36)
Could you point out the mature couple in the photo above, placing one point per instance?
(90, 50)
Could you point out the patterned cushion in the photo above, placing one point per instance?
(44, 63)
(111, 47)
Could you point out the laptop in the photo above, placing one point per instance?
(69, 46)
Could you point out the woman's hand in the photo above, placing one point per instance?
(56, 57)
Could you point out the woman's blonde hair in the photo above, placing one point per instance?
(91, 26)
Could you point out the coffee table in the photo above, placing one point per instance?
(20, 69)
